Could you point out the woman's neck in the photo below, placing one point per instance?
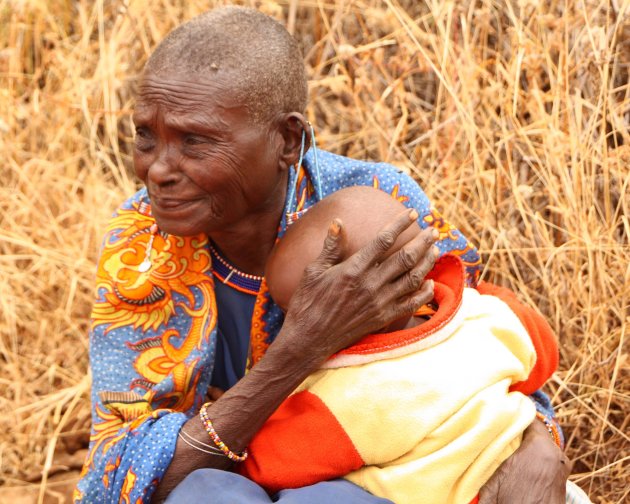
(248, 244)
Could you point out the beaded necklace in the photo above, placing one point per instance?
(229, 275)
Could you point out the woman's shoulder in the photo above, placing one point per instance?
(338, 164)
(336, 172)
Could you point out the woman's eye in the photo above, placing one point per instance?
(195, 140)
(143, 139)
(141, 133)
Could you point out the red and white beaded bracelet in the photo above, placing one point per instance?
(207, 423)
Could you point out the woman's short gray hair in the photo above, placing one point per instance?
(242, 44)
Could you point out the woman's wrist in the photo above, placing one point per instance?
(218, 447)
(239, 413)
(243, 409)
(195, 433)
(552, 428)
(295, 351)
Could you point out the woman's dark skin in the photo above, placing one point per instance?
(209, 169)
(535, 483)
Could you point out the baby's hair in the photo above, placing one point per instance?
(255, 52)
(363, 211)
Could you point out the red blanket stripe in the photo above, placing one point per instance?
(272, 452)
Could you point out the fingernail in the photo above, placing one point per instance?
(436, 251)
(413, 215)
(435, 233)
(335, 227)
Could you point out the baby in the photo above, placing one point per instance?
(425, 410)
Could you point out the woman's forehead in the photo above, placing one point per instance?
(186, 99)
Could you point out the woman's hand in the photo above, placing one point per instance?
(337, 302)
(536, 473)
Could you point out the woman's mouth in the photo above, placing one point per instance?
(173, 204)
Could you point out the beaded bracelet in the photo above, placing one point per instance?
(551, 428)
(200, 443)
(203, 414)
(192, 443)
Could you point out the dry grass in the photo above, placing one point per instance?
(513, 115)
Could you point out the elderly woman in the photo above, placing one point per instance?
(182, 310)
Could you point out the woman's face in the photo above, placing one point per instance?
(206, 165)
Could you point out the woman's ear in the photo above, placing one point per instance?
(293, 127)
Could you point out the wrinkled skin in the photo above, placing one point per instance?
(209, 169)
(535, 474)
(362, 293)
(204, 165)
(370, 293)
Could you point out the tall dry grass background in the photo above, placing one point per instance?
(513, 115)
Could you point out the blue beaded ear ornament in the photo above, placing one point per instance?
(317, 175)
(317, 182)
(292, 187)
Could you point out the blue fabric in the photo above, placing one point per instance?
(235, 310)
(154, 336)
(544, 406)
(217, 487)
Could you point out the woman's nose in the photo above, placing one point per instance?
(164, 170)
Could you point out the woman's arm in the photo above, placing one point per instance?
(237, 415)
(335, 304)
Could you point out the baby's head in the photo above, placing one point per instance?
(363, 211)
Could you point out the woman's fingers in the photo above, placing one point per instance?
(397, 285)
(412, 262)
(365, 292)
(385, 239)
(332, 250)
(408, 305)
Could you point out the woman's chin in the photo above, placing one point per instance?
(177, 226)
(181, 220)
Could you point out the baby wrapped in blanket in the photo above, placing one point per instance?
(426, 409)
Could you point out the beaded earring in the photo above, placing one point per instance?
(292, 188)
(317, 179)
(317, 175)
